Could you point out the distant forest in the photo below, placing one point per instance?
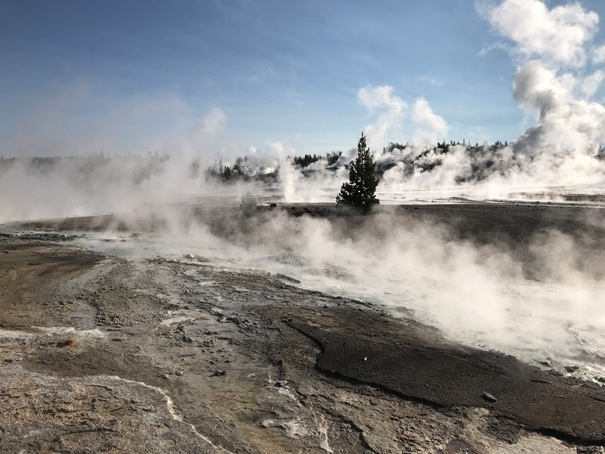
(483, 161)
(479, 162)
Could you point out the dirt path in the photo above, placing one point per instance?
(101, 354)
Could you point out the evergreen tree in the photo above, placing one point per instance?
(360, 191)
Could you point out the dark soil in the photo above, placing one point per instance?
(101, 354)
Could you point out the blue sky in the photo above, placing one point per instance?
(221, 76)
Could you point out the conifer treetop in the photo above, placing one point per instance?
(360, 191)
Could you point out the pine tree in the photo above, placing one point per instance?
(360, 191)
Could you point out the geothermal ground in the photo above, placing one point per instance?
(103, 352)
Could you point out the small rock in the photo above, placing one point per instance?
(571, 369)
(219, 373)
(546, 362)
(289, 279)
(178, 373)
(487, 396)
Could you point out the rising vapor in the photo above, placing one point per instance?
(554, 81)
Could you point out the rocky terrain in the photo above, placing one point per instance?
(105, 354)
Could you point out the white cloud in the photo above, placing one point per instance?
(558, 34)
(591, 83)
(598, 55)
(431, 127)
(391, 109)
(379, 98)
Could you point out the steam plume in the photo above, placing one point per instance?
(553, 81)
